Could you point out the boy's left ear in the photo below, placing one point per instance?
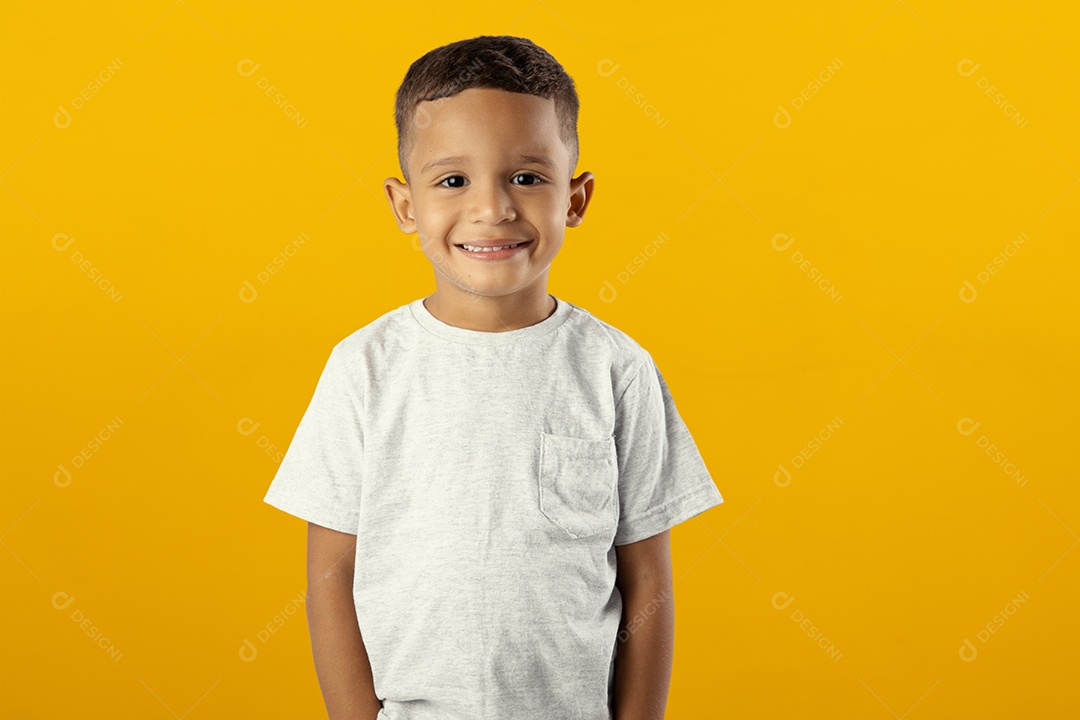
(581, 190)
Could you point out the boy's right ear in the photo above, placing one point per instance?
(400, 196)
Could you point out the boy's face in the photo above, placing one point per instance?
(494, 190)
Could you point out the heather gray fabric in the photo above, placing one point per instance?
(487, 477)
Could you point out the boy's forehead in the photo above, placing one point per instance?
(486, 120)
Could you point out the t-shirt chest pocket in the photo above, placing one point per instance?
(578, 478)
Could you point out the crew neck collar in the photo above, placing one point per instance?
(483, 337)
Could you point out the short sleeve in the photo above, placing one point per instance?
(663, 480)
(319, 477)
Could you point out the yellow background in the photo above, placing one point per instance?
(847, 584)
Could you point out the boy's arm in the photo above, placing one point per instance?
(646, 638)
(341, 661)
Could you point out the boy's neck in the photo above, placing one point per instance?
(490, 313)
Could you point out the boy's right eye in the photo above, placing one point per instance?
(452, 177)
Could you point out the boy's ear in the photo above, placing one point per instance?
(581, 190)
(400, 196)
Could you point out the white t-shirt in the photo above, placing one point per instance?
(488, 477)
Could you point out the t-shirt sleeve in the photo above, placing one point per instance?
(662, 476)
(319, 477)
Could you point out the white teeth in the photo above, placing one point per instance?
(473, 248)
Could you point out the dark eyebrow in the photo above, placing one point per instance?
(454, 160)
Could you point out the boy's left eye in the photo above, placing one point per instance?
(529, 175)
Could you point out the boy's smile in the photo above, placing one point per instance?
(488, 169)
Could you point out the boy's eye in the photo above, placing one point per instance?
(529, 175)
(536, 180)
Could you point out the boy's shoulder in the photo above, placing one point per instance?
(595, 335)
(379, 336)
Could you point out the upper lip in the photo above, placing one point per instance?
(493, 243)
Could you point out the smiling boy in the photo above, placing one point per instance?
(490, 473)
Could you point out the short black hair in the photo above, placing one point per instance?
(504, 62)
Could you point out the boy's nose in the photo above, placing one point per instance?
(490, 203)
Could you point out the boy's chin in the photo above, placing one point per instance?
(481, 291)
